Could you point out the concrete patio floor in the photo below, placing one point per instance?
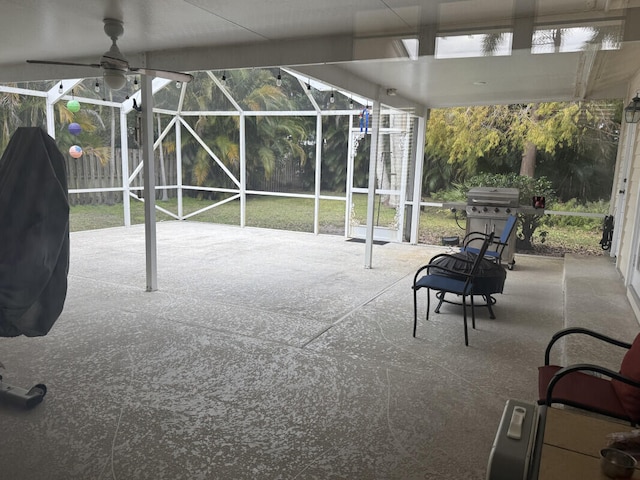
(276, 355)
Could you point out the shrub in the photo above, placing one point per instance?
(583, 223)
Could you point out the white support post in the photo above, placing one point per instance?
(349, 180)
(318, 177)
(179, 169)
(406, 146)
(149, 184)
(243, 170)
(124, 161)
(51, 119)
(417, 179)
(371, 192)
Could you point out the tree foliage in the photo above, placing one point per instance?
(573, 143)
(271, 141)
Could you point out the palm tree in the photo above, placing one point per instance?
(18, 110)
(270, 141)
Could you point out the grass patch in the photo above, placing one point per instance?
(581, 236)
(296, 214)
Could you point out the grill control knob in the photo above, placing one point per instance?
(485, 209)
(496, 209)
(508, 210)
(473, 209)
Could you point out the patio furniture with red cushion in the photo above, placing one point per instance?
(593, 387)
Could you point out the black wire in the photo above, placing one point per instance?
(455, 215)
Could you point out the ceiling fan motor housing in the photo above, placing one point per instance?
(113, 28)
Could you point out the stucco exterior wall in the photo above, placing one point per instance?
(626, 256)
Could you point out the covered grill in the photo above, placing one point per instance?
(487, 211)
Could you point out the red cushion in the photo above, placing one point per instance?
(629, 395)
(581, 390)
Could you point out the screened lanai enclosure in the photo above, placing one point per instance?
(230, 137)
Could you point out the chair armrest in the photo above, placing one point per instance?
(480, 237)
(585, 331)
(430, 265)
(585, 367)
(471, 236)
(482, 234)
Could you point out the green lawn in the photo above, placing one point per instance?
(262, 211)
(297, 215)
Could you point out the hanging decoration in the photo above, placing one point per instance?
(364, 120)
(75, 128)
(73, 106)
(75, 151)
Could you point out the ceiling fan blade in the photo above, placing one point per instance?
(168, 74)
(114, 63)
(71, 64)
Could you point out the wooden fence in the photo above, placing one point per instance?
(88, 172)
(286, 177)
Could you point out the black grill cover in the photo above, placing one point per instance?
(489, 279)
(34, 234)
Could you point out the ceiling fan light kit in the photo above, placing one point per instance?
(115, 79)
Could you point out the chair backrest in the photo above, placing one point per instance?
(476, 264)
(629, 395)
(508, 228)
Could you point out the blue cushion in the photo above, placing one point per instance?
(447, 284)
(490, 276)
(488, 253)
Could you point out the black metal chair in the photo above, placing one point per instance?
(593, 387)
(446, 280)
(498, 245)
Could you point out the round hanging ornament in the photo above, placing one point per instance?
(73, 106)
(75, 151)
(75, 128)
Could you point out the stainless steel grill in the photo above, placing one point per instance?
(487, 211)
(487, 202)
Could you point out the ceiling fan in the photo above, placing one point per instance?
(115, 66)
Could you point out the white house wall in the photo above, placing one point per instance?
(624, 253)
(630, 228)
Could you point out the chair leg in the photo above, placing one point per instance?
(490, 302)
(415, 307)
(428, 303)
(441, 298)
(473, 313)
(415, 310)
(464, 318)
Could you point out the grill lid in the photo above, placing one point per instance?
(506, 197)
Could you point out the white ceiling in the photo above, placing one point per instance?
(352, 44)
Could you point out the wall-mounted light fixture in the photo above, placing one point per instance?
(632, 111)
(224, 78)
(279, 79)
